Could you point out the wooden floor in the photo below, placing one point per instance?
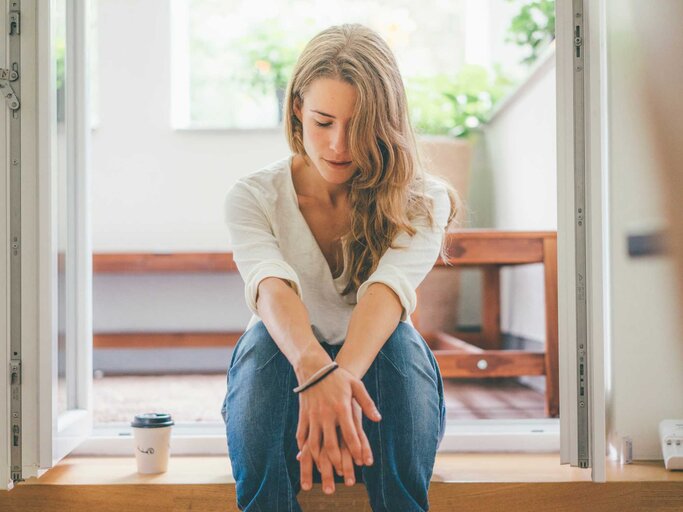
(462, 482)
(119, 398)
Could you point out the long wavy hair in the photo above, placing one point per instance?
(387, 193)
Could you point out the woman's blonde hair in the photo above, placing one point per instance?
(388, 190)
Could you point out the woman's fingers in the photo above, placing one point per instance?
(306, 468)
(331, 446)
(326, 472)
(325, 469)
(350, 434)
(302, 428)
(364, 442)
(314, 440)
(347, 463)
(364, 400)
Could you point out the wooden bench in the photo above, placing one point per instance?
(459, 354)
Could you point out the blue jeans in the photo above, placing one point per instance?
(261, 414)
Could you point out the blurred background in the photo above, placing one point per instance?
(186, 97)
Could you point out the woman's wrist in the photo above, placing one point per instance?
(353, 369)
(310, 362)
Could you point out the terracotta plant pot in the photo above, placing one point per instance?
(438, 294)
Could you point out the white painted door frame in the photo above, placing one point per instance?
(4, 280)
(596, 288)
(47, 435)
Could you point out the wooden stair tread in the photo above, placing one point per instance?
(449, 467)
(479, 483)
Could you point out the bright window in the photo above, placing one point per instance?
(232, 59)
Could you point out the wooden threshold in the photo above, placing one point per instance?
(469, 482)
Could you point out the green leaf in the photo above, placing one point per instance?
(533, 26)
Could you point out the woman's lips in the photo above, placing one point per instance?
(336, 164)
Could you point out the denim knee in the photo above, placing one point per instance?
(410, 355)
(260, 417)
(254, 350)
(407, 351)
(403, 382)
(255, 347)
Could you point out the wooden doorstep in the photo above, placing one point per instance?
(462, 482)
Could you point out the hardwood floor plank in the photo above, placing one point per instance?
(463, 482)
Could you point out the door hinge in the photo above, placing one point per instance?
(7, 76)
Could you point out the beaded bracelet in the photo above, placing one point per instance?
(317, 377)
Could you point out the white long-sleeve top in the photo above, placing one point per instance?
(270, 237)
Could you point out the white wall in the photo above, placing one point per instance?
(647, 347)
(520, 151)
(156, 189)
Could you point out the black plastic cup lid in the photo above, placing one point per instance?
(152, 420)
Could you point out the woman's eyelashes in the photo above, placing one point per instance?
(323, 124)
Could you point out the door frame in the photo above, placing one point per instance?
(5, 441)
(596, 290)
(69, 429)
(46, 437)
(39, 268)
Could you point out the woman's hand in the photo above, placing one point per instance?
(325, 467)
(330, 403)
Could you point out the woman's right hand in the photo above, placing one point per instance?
(327, 404)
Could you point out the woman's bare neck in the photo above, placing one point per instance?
(310, 185)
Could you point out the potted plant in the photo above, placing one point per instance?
(447, 112)
(533, 27)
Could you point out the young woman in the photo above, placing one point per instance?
(332, 242)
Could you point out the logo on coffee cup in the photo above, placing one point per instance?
(149, 450)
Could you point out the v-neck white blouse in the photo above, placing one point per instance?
(269, 237)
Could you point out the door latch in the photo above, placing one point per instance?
(13, 23)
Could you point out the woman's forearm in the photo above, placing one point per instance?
(373, 320)
(321, 410)
(287, 321)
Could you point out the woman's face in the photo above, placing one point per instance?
(325, 116)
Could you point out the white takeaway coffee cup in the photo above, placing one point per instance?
(152, 439)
